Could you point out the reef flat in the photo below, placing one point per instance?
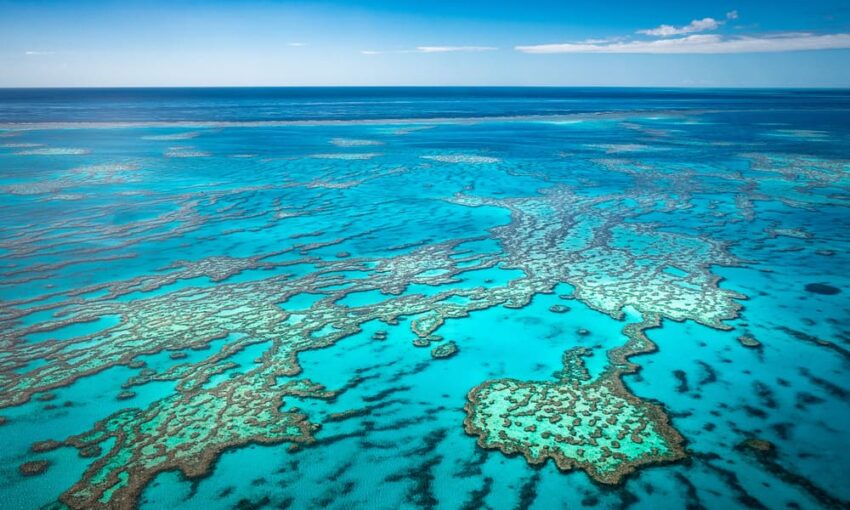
(597, 426)
(515, 312)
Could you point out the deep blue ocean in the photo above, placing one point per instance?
(369, 103)
(455, 298)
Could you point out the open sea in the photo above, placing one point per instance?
(437, 298)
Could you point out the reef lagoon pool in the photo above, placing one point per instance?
(389, 298)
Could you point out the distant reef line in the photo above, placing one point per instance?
(28, 126)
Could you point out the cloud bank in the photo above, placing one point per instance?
(705, 44)
(667, 39)
(697, 25)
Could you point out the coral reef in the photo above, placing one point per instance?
(33, 467)
(445, 350)
(202, 314)
(594, 425)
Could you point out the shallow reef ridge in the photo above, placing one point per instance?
(510, 313)
(597, 426)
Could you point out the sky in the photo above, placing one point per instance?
(738, 43)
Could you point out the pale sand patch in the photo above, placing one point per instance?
(407, 130)
(349, 156)
(21, 145)
(352, 142)
(33, 188)
(616, 148)
(185, 152)
(805, 134)
(104, 169)
(53, 151)
(176, 136)
(66, 196)
(463, 158)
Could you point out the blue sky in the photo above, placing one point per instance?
(404, 42)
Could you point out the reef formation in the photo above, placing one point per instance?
(594, 425)
(199, 316)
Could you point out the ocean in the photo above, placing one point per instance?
(415, 297)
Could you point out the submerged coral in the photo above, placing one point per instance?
(594, 425)
(229, 327)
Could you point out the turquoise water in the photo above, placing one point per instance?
(249, 298)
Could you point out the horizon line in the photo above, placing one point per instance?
(675, 87)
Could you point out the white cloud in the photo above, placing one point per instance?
(446, 49)
(697, 25)
(39, 53)
(296, 44)
(434, 49)
(705, 44)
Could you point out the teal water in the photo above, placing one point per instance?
(246, 309)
